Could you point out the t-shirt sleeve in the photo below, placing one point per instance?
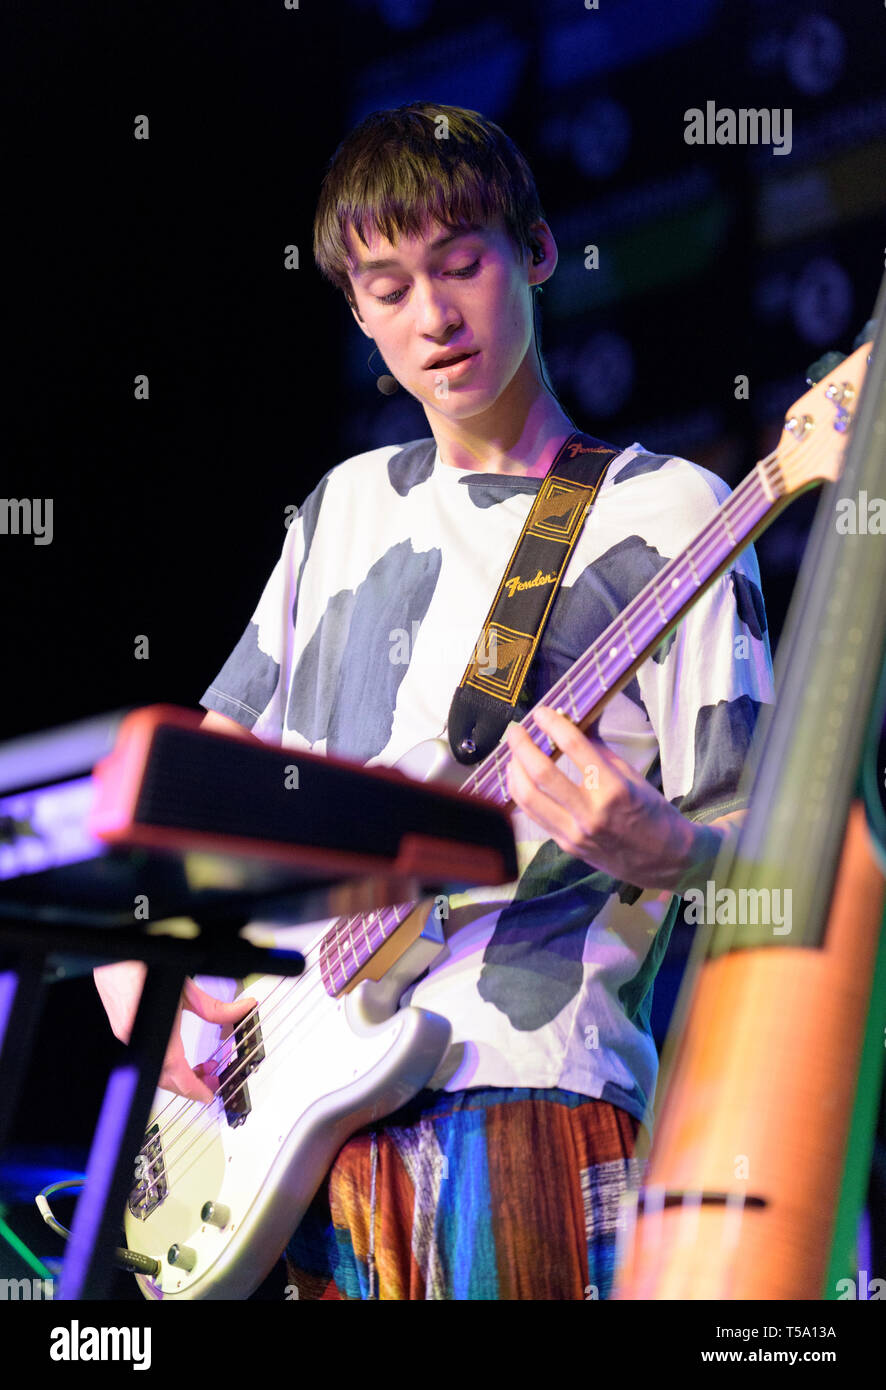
(251, 685)
(704, 687)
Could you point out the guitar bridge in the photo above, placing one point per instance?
(150, 1173)
(248, 1054)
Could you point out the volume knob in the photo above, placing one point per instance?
(182, 1256)
(215, 1214)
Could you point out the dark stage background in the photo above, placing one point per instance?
(167, 257)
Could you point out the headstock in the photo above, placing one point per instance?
(811, 445)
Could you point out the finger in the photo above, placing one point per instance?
(213, 1010)
(180, 1079)
(177, 1075)
(208, 1073)
(545, 777)
(120, 986)
(566, 736)
(578, 747)
(534, 801)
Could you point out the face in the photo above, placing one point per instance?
(430, 300)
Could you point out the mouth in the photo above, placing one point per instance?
(452, 360)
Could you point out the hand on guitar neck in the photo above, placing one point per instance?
(618, 823)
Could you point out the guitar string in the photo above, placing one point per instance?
(294, 1019)
(489, 775)
(315, 947)
(285, 987)
(343, 932)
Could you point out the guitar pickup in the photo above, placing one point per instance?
(248, 1053)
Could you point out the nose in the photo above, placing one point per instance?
(435, 316)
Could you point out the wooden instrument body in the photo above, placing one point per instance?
(769, 1057)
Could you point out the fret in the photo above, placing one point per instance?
(658, 601)
(766, 484)
(504, 791)
(365, 937)
(349, 946)
(342, 939)
(691, 563)
(327, 973)
(627, 632)
(730, 533)
(389, 920)
(600, 676)
(369, 918)
(334, 969)
(571, 700)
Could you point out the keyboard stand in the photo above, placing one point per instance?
(89, 1262)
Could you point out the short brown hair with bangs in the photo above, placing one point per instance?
(400, 169)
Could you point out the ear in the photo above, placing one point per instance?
(360, 324)
(538, 273)
(352, 305)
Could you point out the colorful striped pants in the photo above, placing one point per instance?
(480, 1194)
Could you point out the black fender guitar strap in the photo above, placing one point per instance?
(489, 690)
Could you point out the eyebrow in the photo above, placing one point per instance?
(441, 241)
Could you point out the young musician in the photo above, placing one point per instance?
(502, 1178)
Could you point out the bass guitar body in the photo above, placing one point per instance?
(220, 1188)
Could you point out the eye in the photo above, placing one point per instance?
(462, 273)
(465, 271)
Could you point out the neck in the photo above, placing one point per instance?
(519, 435)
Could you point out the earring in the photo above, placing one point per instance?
(385, 383)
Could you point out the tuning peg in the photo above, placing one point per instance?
(825, 364)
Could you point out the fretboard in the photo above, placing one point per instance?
(608, 665)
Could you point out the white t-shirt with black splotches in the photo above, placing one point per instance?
(356, 647)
